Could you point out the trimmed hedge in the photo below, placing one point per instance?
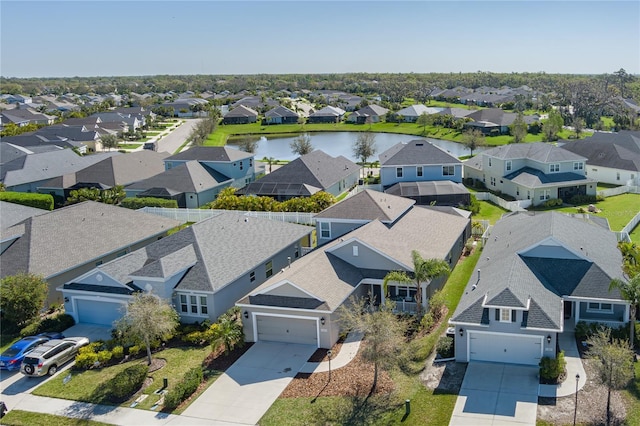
(126, 383)
(39, 201)
(138, 203)
(552, 368)
(184, 389)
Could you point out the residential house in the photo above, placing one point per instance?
(191, 184)
(54, 104)
(222, 162)
(240, 115)
(254, 103)
(418, 160)
(411, 113)
(70, 241)
(300, 303)
(188, 107)
(111, 171)
(370, 113)
(539, 274)
(612, 158)
(306, 175)
(132, 121)
(426, 193)
(83, 136)
(202, 270)
(328, 114)
(11, 213)
(531, 171)
(22, 117)
(495, 121)
(280, 115)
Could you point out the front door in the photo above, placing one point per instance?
(568, 306)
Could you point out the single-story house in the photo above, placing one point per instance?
(328, 114)
(418, 160)
(11, 213)
(300, 303)
(240, 115)
(374, 113)
(70, 241)
(202, 270)
(439, 193)
(495, 120)
(539, 274)
(306, 175)
(280, 115)
(411, 113)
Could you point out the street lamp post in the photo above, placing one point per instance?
(329, 353)
(575, 408)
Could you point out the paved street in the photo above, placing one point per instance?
(176, 138)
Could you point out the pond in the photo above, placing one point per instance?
(340, 143)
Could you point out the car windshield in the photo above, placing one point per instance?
(28, 360)
(12, 351)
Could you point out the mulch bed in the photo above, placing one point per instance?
(219, 361)
(354, 379)
(320, 355)
(157, 364)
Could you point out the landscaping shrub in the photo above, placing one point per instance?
(86, 360)
(134, 350)
(553, 202)
(138, 203)
(39, 201)
(118, 352)
(583, 199)
(444, 348)
(104, 357)
(126, 383)
(437, 310)
(552, 368)
(585, 330)
(184, 389)
(57, 323)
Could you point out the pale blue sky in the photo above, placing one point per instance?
(106, 38)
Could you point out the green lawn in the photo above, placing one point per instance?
(87, 386)
(632, 395)
(6, 341)
(26, 418)
(129, 145)
(427, 407)
(490, 212)
(152, 133)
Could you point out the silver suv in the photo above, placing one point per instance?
(46, 358)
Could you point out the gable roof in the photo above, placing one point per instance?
(280, 111)
(329, 111)
(417, 110)
(220, 154)
(11, 213)
(534, 178)
(371, 109)
(615, 150)
(539, 258)
(241, 111)
(426, 188)
(187, 177)
(416, 152)
(65, 238)
(317, 169)
(368, 205)
(537, 151)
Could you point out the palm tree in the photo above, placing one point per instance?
(228, 334)
(423, 270)
(630, 291)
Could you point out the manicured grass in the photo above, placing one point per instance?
(428, 407)
(6, 341)
(129, 145)
(490, 212)
(27, 418)
(635, 235)
(88, 386)
(632, 396)
(152, 133)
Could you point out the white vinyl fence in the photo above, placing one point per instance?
(196, 215)
(514, 206)
(610, 192)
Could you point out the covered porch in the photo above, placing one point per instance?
(608, 312)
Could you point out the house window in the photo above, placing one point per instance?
(528, 195)
(553, 168)
(241, 166)
(507, 165)
(194, 304)
(602, 308)
(268, 268)
(578, 166)
(355, 251)
(203, 305)
(325, 230)
(419, 171)
(505, 315)
(489, 161)
(250, 162)
(493, 181)
(448, 170)
(545, 195)
(399, 172)
(252, 276)
(618, 176)
(518, 191)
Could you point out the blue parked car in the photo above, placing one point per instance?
(12, 357)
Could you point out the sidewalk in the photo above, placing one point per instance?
(347, 352)
(567, 343)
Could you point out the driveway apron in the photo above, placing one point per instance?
(252, 384)
(497, 394)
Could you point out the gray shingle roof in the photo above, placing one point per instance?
(533, 178)
(368, 205)
(241, 111)
(539, 258)
(538, 151)
(425, 188)
(417, 110)
(220, 154)
(615, 150)
(280, 111)
(188, 177)
(416, 152)
(71, 236)
(11, 213)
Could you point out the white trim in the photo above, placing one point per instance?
(354, 239)
(74, 303)
(254, 323)
(595, 299)
(502, 334)
(198, 314)
(599, 310)
(557, 243)
(280, 284)
(279, 308)
(505, 310)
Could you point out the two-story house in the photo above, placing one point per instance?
(531, 171)
(418, 161)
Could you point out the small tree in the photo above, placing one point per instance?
(148, 318)
(269, 161)
(302, 144)
(423, 120)
(383, 332)
(22, 296)
(364, 147)
(614, 362)
(248, 144)
(578, 126)
(109, 141)
(518, 129)
(630, 291)
(227, 332)
(472, 139)
(552, 125)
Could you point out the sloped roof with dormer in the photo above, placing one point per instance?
(187, 177)
(416, 152)
(368, 205)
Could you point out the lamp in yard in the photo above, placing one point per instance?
(575, 408)
(329, 353)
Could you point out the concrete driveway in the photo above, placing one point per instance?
(251, 385)
(497, 394)
(91, 331)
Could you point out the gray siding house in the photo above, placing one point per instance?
(539, 275)
(418, 161)
(203, 269)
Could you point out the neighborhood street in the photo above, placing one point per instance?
(177, 137)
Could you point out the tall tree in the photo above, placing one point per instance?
(578, 126)
(248, 144)
(552, 125)
(630, 291)
(364, 147)
(424, 270)
(382, 330)
(614, 362)
(148, 318)
(423, 120)
(22, 296)
(518, 129)
(301, 145)
(270, 161)
(109, 141)
(472, 139)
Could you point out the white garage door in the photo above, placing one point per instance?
(94, 312)
(289, 330)
(500, 347)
